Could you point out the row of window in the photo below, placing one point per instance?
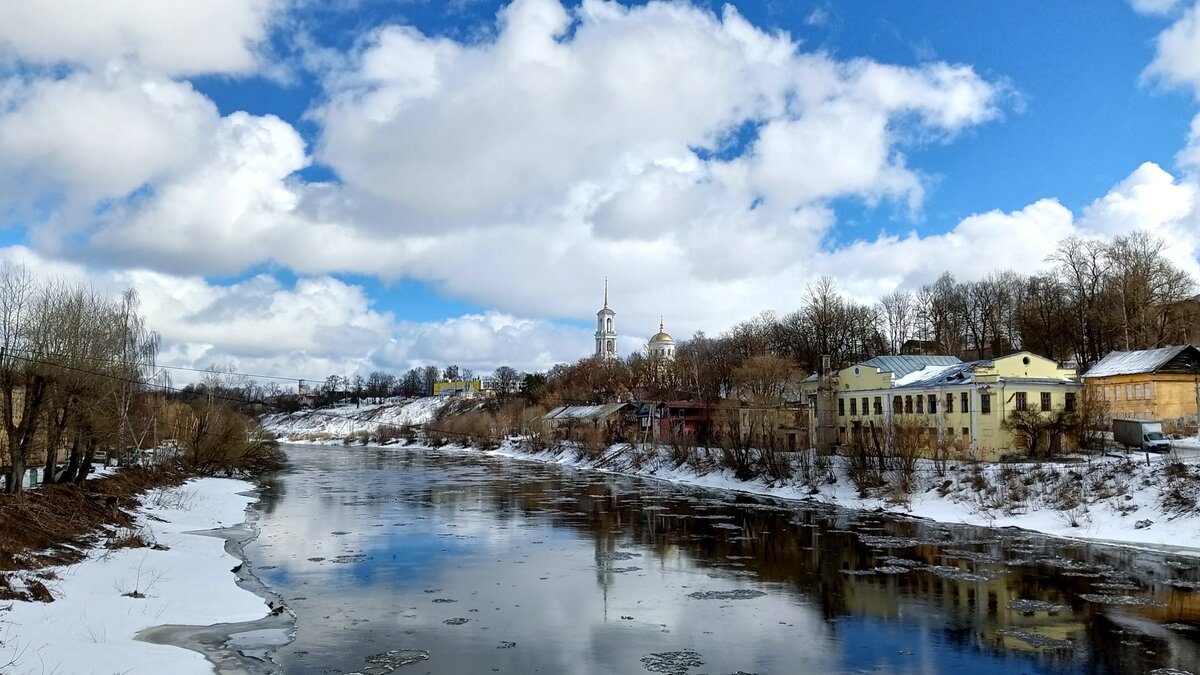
(1129, 392)
(966, 431)
(922, 403)
(1021, 401)
(906, 404)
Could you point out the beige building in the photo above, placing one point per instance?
(1152, 384)
(960, 404)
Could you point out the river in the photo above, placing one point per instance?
(427, 561)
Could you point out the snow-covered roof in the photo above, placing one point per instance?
(1138, 362)
(954, 372)
(583, 412)
(899, 366)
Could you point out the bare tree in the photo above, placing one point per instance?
(898, 312)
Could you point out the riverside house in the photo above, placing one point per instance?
(961, 405)
(1149, 384)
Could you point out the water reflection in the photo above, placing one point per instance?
(494, 565)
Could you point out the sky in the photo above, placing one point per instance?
(299, 191)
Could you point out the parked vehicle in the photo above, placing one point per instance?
(1141, 434)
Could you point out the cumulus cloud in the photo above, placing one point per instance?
(1177, 52)
(691, 156)
(312, 328)
(439, 133)
(181, 37)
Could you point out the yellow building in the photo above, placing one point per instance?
(960, 405)
(459, 387)
(1153, 384)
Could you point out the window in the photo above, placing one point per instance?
(1021, 403)
(966, 431)
(933, 404)
(1070, 402)
(864, 405)
(608, 325)
(1129, 392)
(841, 407)
(985, 404)
(853, 407)
(1045, 400)
(1118, 389)
(1149, 391)
(897, 405)
(965, 401)
(1137, 392)
(949, 403)
(920, 405)
(878, 405)
(908, 404)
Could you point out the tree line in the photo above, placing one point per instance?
(78, 380)
(1096, 297)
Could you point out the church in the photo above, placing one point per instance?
(661, 345)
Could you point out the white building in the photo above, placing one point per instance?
(662, 345)
(606, 329)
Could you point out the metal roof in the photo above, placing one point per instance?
(955, 373)
(1138, 362)
(899, 366)
(583, 412)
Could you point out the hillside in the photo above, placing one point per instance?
(335, 423)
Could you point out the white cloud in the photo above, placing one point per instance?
(180, 37)
(691, 157)
(1155, 7)
(99, 136)
(440, 134)
(316, 327)
(1177, 54)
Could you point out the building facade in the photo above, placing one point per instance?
(960, 405)
(1150, 384)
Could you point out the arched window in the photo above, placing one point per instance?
(608, 325)
(611, 347)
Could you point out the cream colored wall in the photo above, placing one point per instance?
(985, 432)
(868, 377)
(1013, 365)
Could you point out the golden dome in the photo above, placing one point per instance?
(660, 336)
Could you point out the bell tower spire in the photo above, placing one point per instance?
(606, 329)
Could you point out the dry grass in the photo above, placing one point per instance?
(52, 525)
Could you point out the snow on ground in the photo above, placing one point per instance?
(90, 626)
(340, 421)
(1117, 498)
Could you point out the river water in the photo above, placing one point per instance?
(424, 561)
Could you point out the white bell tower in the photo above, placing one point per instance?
(606, 329)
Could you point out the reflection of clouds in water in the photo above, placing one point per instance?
(589, 572)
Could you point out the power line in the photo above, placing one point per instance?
(161, 366)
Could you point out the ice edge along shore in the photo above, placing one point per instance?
(93, 624)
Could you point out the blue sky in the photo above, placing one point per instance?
(459, 179)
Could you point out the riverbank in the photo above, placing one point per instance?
(1133, 500)
(1110, 499)
(166, 568)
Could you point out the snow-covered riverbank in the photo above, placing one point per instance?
(1122, 499)
(103, 602)
(1116, 499)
